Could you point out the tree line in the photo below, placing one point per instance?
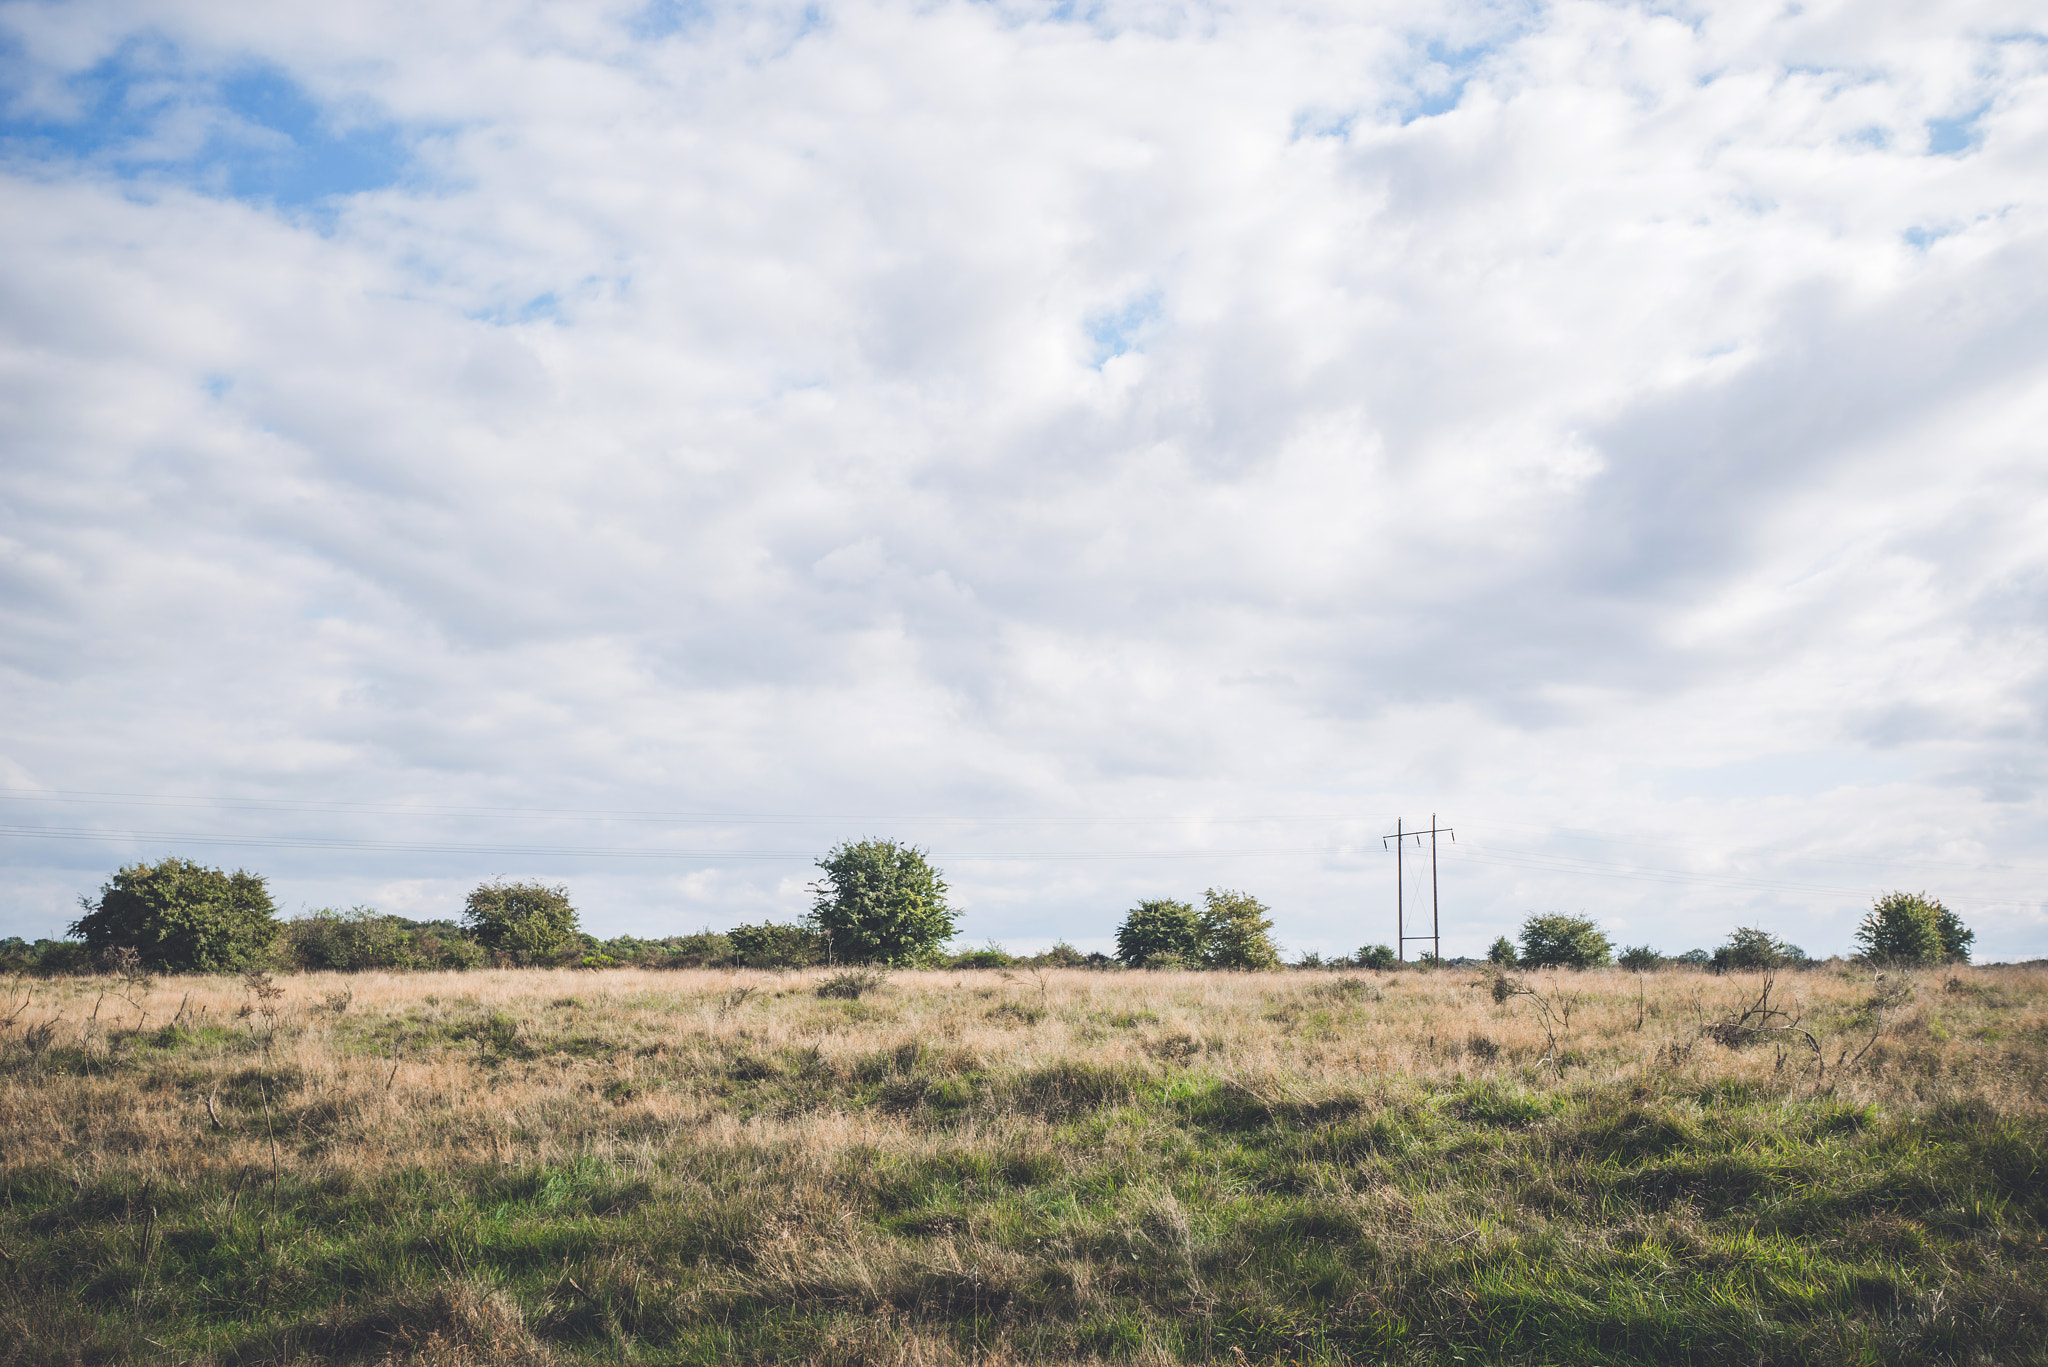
(879, 902)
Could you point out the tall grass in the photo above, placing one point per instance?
(715, 1166)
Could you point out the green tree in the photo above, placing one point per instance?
(1502, 952)
(881, 902)
(1159, 931)
(1236, 932)
(532, 922)
(1564, 942)
(182, 917)
(1906, 928)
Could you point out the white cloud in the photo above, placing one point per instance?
(1567, 417)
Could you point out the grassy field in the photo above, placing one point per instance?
(540, 1166)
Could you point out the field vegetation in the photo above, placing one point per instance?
(1835, 1165)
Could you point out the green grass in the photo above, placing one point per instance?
(1592, 1227)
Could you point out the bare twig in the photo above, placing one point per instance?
(7, 1021)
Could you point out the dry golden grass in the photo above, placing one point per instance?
(613, 1063)
(1031, 1166)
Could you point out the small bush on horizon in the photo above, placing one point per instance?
(1751, 947)
(1380, 957)
(1502, 952)
(990, 955)
(1640, 959)
(1912, 928)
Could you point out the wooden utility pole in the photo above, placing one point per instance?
(1401, 935)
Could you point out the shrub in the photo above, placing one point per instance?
(182, 917)
(704, 949)
(990, 955)
(769, 945)
(363, 938)
(1375, 956)
(1236, 932)
(1156, 930)
(1064, 955)
(1698, 958)
(1563, 942)
(531, 922)
(1640, 959)
(1502, 952)
(881, 902)
(46, 958)
(1751, 947)
(1910, 928)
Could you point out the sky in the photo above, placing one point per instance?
(1123, 449)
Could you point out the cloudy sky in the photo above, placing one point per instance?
(1124, 448)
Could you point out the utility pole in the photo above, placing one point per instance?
(1401, 935)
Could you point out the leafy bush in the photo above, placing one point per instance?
(1381, 957)
(363, 938)
(881, 902)
(1911, 928)
(1502, 952)
(1563, 942)
(704, 949)
(531, 922)
(1640, 959)
(182, 917)
(1698, 958)
(45, 958)
(1752, 947)
(1157, 930)
(990, 955)
(769, 945)
(1236, 932)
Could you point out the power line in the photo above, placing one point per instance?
(192, 801)
(599, 852)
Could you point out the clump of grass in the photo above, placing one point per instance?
(852, 984)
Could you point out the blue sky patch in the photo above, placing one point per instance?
(666, 18)
(1951, 137)
(1123, 330)
(251, 133)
